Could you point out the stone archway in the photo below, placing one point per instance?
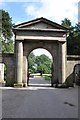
(40, 33)
(35, 76)
(44, 61)
(77, 74)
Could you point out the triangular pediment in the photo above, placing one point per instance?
(40, 23)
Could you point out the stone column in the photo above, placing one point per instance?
(55, 67)
(19, 63)
(1, 72)
(25, 70)
(52, 70)
(62, 62)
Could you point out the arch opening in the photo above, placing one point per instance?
(40, 62)
(77, 74)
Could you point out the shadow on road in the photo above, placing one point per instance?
(39, 82)
(34, 85)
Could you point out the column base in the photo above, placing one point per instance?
(2, 83)
(25, 85)
(18, 85)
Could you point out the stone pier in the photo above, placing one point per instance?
(19, 63)
(62, 63)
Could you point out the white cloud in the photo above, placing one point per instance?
(1, 1)
(20, 0)
(18, 22)
(55, 10)
(41, 51)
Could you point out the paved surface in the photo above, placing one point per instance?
(38, 81)
(39, 102)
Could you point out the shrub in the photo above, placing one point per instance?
(47, 77)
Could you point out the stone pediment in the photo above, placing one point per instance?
(40, 23)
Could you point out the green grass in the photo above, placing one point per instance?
(47, 77)
(38, 74)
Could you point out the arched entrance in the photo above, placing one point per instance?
(40, 33)
(39, 68)
(77, 74)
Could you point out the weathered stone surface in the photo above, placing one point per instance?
(70, 74)
(39, 33)
(19, 62)
(9, 61)
(50, 46)
(1, 72)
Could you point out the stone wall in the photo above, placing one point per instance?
(9, 61)
(72, 61)
(52, 47)
(1, 72)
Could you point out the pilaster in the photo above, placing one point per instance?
(62, 62)
(19, 63)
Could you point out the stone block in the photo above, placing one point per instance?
(18, 85)
(1, 72)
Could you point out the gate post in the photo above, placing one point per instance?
(25, 71)
(1, 73)
(62, 62)
(19, 63)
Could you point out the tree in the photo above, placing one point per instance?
(6, 33)
(39, 64)
(66, 23)
(43, 64)
(6, 25)
(31, 59)
(76, 39)
(73, 40)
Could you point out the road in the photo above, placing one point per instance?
(39, 102)
(38, 81)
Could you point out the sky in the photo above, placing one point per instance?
(55, 10)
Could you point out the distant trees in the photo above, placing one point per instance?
(39, 64)
(73, 40)
(66, 23)
(6, 32)
(43, 63)
(31, 61)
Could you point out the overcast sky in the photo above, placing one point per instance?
(55, 10)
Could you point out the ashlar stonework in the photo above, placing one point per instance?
(38, 33)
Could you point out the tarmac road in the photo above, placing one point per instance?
(39, 102)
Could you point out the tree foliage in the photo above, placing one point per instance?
(43, 64)
(66, 23)
(6, 25)
(31, 61)
(6, 33)
(39, 64)
(73, 40)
